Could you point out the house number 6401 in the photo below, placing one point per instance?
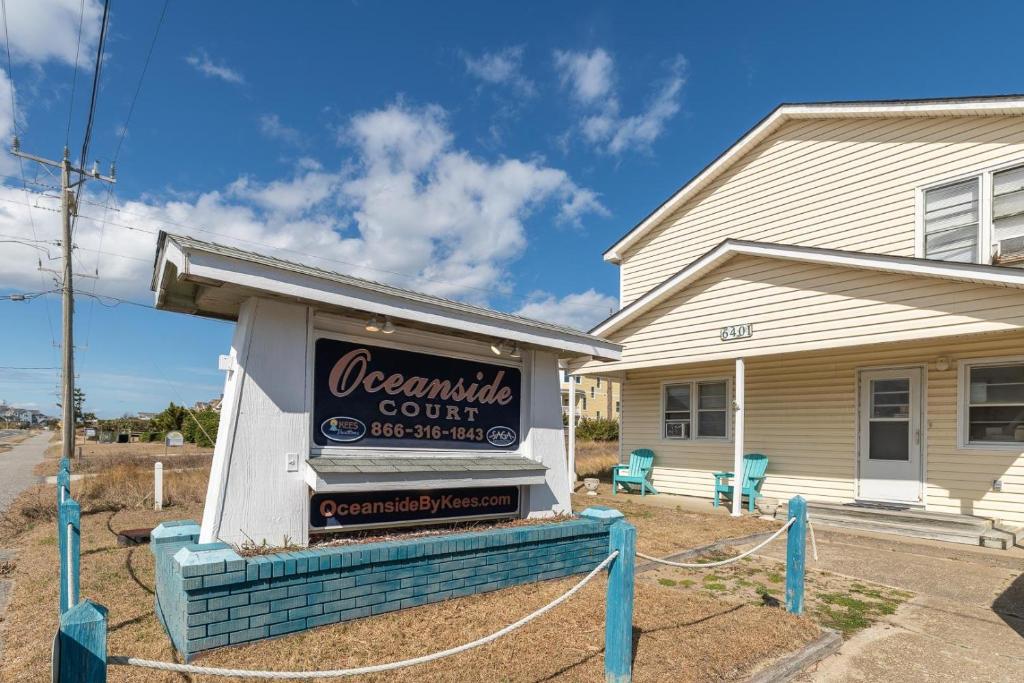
(732, 332)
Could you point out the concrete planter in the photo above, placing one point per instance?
(208, 596)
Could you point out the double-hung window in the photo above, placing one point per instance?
(992, 400)
(971, 220)
(696, 410)
(951, 222)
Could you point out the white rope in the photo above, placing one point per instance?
(814, 544)
(719, 563)
(376, 668)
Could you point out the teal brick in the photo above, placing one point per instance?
(414, 601)
(286, 627)
(366, 600)
(266, 570)
(400, 594)
(289, 567)
(339, 605)
(196, 606)
(269, 594)
(388, 606)
(250, 610)
(322, 620)
(323, 596)
(208, 643)
(356, 613)
(192, 584)
(306, 589)
(225, 579)
(268, 619)
(302, 612)
(249, 634)
(339, 584)
(288, 603)
(227, 626)
(195, 632)
(228, 601)
(385, 586)
(374, 577)
(207, 617)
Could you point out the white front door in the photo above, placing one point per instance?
(890, 442)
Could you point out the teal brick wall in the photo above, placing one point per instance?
(207, 596)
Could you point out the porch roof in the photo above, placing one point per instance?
(805, 298)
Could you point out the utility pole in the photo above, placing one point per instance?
(68, 209)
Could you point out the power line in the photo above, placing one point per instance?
(142, 76)
(21, 167)
(83, 158)
(14, 367)
(74, 78)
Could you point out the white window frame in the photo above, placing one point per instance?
(986, 231)
(963, 389)
(694, 435)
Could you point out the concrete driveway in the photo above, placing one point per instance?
(966, 622)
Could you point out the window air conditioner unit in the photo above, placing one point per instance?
(1010, 252)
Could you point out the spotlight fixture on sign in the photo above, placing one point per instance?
(388, 327)
(373, 325)
(504, 347)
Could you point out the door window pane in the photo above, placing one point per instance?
(889, 440)
(890, 398)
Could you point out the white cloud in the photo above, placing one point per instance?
(206, 66)
(503, 67)
(409, 208)
(590, 76)
(581, 310)
(44, 30)
(272, 127)
(591, 79)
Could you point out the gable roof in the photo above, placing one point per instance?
(964, 106)
(965, 272)
(184, 265)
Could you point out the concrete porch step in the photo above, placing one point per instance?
(937, 526)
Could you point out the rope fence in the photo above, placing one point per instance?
(376, 668)
(720, 563)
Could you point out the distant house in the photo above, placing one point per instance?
(146, 416)
(596, 397)
(212, 404)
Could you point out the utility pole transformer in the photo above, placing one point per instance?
(68, 209)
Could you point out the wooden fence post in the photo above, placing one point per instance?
(82, 646)
(796, 539)
(158, 486)
(69, 541)
(618, 629)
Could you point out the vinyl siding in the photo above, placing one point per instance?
(801, 411)
(796, 306)
(838, 183)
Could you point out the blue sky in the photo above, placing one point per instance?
(483, 151)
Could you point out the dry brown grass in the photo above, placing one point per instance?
(596, 459)
(98, 457)
(679, 636)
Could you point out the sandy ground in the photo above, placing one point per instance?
(17, 465)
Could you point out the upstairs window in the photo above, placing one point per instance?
(952, 222)
(1008, 204)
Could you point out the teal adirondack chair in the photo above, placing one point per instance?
(641, 462)
(754, 466)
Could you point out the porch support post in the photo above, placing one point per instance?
(572, 431)
(739, 399)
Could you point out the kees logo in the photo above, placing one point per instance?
(501, 436)
(343, 429)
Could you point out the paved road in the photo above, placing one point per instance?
(16, 467)
(965, 623)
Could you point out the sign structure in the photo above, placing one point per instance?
(741, 331)
(388, 508)
(175, 439)
(375, 396)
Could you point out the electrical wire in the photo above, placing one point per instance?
(90, 119)
(74, 78)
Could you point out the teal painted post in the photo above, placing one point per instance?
(795, 555)
(69, 538)
(83, 644)
(618, 628)
(65, 465)
(63, 485)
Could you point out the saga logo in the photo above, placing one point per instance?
(343, 429)
(501, 436)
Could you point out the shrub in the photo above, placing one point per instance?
(599, 429)
(205, 437)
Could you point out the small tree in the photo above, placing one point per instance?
(205, 436)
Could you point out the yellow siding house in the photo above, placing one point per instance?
(840, 291)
